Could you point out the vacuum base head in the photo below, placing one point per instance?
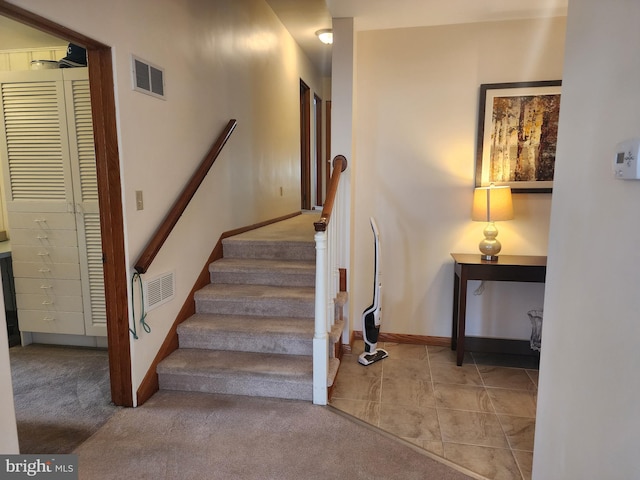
(369, 358)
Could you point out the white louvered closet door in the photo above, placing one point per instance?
(36, 142)
(85, 190)
(51, 192)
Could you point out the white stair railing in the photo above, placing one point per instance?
(327, 280)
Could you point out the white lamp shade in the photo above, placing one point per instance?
(492, 204)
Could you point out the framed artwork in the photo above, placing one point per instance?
(517, 135)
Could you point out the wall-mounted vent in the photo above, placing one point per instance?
(147, 78)
(159, 290)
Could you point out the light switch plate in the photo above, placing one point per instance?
(139, 203)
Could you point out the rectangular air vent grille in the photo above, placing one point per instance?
(159, 290)
(147, 78)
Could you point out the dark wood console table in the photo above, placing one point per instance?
(508, 268)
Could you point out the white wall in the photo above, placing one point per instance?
(8, 429)
(342, 135)
(223, 59)
(415, 132)
(588, 425)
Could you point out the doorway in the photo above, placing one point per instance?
(305, 146)
(101, 88)
(317, 106)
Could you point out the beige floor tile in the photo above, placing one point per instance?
(493, 463)
(433, 446)
(405, 351)
(503, 377)
(525, 462)
(519, 403)
(446, 355)
(466, 374)
(462, 397)
(402, 391)
(410, 422)
(356, 387)
(472, 428)
(479, 416)
(519, 431)
(405, 368)
(349, 366)
(363, 409)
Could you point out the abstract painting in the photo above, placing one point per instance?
(517, 135)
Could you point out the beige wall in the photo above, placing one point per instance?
(223, 59)
(588, 425)
(415, 136)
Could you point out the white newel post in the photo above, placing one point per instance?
(331, 279)
(321, 335)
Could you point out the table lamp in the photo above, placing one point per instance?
(491, 204)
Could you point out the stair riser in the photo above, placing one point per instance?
(238, 385)
(247, 343)
(270, 251)
(263, 278)
(272, 307)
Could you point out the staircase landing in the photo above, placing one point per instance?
(252, 333)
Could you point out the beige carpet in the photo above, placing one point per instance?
(183, 435)
(61, 395)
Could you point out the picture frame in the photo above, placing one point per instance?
(517, 135)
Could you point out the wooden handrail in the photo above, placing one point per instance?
(165, 228)
(339, 166)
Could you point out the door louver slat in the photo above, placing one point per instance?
(32, 128)
(94, 258)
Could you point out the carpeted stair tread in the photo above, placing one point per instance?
(255, 291)
(216, 363)
(234, 247)
(263, 271)
(264, 300)
(280, 335)
(207, 322)
(239, 373)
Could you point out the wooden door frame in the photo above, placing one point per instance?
(317, 101)
(305, 146)
(109, 194)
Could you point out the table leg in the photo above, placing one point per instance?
(454, 319)
(462, 313)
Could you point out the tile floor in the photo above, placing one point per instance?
(480, 415)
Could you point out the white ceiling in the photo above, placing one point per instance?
(304, 17)
(382, 14)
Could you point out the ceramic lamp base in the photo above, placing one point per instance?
(490, 246)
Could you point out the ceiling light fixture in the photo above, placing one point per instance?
(325, 35)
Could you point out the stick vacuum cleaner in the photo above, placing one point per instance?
(371, 317)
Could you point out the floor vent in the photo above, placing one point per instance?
(159, 290)
(147, 78)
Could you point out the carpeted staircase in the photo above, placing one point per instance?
(253, 328)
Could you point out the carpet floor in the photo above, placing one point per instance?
(184, 435)
(62, 401)
(61, 395)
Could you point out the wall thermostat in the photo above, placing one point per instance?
(626, 165)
